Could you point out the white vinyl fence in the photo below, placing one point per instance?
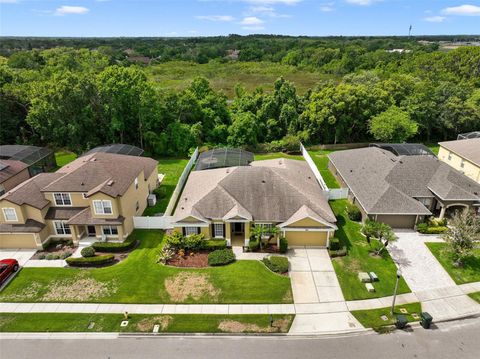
(155, 222)
(337, 193)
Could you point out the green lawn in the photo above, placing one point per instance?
(321, 160)
(372, 318)
(64, 157)
(470, 272)
(274, 155)
(475, 296)
(172, 168)
(174, 323)
(434, 147)
(359, 259)
(139, 279)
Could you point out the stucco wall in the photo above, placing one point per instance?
(469, 169)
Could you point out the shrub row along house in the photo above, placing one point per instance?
(401, 190)
(96, 195)
(226, 202)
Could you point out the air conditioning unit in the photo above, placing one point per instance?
(152, 200)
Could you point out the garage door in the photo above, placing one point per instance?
(398, 221)
(17, 241)
(305, 238)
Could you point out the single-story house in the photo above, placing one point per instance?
(463, 155)
(402, 190)
(227, 202)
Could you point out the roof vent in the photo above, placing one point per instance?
(228, 170)
(263, 181)
(110, 183)
(280, 161)
(186, 199)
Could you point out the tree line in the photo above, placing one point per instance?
(80, 98)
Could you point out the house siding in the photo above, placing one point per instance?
(469, 169)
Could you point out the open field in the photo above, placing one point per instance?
(140, 279)
(177, 75)
(169, 323)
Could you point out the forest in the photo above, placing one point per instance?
(78, 93)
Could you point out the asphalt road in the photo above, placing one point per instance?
(459, 339)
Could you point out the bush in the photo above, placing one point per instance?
(49, 257)
(221, 257)
(353, 212)
(253, 245)
(41, 256)
(334, 244)
(90, 261)
(425, 229)
(178, 241)
(283, 245)
(160, 192)
(114, 247)
(422, 227)
(437, 222)
(213, 244)
(65, 255)
(88, 252)
(338, 253)
(276, 264)
(174, 240)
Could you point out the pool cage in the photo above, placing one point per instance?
(223, 157)
(405, 149)
(38, 159)
(117, 148)
(469, 135)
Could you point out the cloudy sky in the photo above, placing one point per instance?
(222, 17)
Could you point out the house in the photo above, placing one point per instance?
(12, 173)
(37, 159)
(95, 196)
(463, 155)
(225, 202)
(402, 190)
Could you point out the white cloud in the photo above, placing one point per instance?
(251, 21)
(463, 10)
(327, 7)
(224, 18)
(435, 18)
(361, 2)
(265, 11)
(76, 10)
(253, 28)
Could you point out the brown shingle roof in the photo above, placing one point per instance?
(468, 149)
(63, 212)
(30, 226)
(11, 168)
(84, 217)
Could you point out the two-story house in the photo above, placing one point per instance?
(96, 195)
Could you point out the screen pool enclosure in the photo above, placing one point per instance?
(466, 136)
(223, 157)
(38, 159)
(118, 148)
(405, 149)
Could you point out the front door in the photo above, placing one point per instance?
(91, 231)
(238, 234)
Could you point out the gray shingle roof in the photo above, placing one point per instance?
(468, 149)
(10, 168)
(384, 183)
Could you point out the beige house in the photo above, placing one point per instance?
(227, 202)
(95, 196)
(12, 173)
(463, 155)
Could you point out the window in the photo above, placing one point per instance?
(9, 214)
(61, 227)
(191, 230)
(110, 230)
(137, 207)
(218, 230)
(136, 183)
(449, 156)
(462, 163)
(102, 207)
(62, 199)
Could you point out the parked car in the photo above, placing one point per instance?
(7, 267)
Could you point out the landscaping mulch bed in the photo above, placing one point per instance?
(271, 248)
(190, 260)
(57, 248)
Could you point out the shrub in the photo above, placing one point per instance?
(353, 212)
(253, 245)
(165, 254)
(425, 228)
(437, 222)
(90, 261)
(174, 240)
(87, 252)
(334, 244)
(338, 253)
(49, 257)
(41, 256)
(283, 245)
(276, 264)
(193, 242)
(213, 244)
(160, 192)
(221, 257)
(422, 227)
(65, 255)
(55, 256)
(114, 247)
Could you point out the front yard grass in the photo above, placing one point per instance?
(169, 323)
(372, 318)
(475, 296)
(139, 279)
(470, 272)
(172, 168)
(358, 259)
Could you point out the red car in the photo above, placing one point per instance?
(7, 267)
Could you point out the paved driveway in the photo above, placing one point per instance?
(419, 266)
(21, 255)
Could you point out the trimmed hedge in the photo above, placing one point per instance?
(334, 244)
(221, 257)
(114, 247)
(90, 261)
(214, 244)
(338, 253)
(276, 264)
(283, 245)
(87, 252)
(424, 228)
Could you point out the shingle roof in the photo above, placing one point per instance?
(384, 183)
(271, 190)
(30, 226)
(10, 168)
(84, 217)
(63, 212)
(469, 149)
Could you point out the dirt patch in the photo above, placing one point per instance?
(233, 326)
(190, 285)
(147, 324)
(288, 297)
(31, 292)
(77, 290)
(190, 260)
(353, 265)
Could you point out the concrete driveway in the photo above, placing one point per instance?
(21, 255)
(419, 266)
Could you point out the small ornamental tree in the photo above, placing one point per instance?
(462, 233)
(380, 231)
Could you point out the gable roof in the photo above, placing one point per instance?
(387, 184)
(271, 190)
(468, 149)
(10, 168)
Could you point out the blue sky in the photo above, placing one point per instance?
(222, 17)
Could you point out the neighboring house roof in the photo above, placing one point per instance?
(387, 184)
(25, 153)
(468, 149)
(84, 217)
(10, 168)
(271, 191)
(30, 226)
(108, 173)
(118, 148)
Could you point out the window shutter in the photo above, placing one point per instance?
(224, 234)
(198, 230)
(212, 229)
(183, 231)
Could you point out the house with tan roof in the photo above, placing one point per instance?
(227, 202)
(463, 155)
(95, 196)
(401, 190)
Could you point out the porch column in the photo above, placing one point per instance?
(442, 212)
(247, 233)
(228, 233)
